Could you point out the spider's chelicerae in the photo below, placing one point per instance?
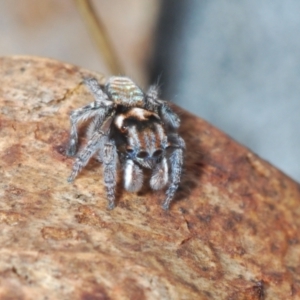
(133, 128)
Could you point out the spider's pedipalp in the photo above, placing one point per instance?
(133, 176)
(160, 175)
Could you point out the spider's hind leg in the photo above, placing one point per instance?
(153, 103)
(99, 107)
(77, 116)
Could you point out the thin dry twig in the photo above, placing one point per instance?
(99, 33)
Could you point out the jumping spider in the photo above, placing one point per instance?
(134, 128)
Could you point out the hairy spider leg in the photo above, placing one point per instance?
(176, 162)
(166, 114)
(84, 156)
(101, 99)
(84, 113)
(81, 115)
(109, 158)
(151, 99)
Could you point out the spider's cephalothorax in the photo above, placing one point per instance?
(133, 128)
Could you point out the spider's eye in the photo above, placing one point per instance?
(157, 153)
(142, 154)
(124, 128)
(129, 150)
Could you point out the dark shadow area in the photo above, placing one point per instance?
(169, 30)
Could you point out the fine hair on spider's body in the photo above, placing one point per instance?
(133, 128)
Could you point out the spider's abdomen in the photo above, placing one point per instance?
(123, 91)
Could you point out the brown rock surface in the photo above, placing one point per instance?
(233, 231)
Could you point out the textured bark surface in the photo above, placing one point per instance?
(233, 231)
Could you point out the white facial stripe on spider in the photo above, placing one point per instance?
(136, 129)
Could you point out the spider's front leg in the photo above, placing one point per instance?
(108, 156)
(176, 162)
(76, 116)
(100, 107)
(85, 155)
